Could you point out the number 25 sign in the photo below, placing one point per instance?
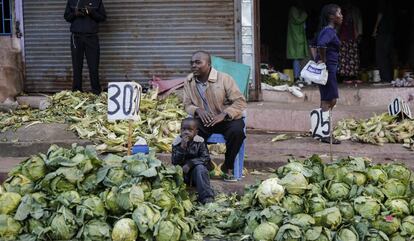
(123, 100)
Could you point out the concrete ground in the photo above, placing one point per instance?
(261, 154)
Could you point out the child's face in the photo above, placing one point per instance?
(189, 129)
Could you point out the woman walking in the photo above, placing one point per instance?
(328, 46)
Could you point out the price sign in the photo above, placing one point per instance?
(321, 127)
(399, 107)
(123, 100)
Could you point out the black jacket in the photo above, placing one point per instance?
(89, 22)
(195, 154)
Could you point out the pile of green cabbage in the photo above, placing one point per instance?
(348, 200)
(72, 194)
(86, 115)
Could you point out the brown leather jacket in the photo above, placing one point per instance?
(222, 94)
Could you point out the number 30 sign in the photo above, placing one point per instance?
(123, 100)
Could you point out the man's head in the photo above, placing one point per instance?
(189, 128)
(200, 63)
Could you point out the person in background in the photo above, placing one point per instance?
(84, 16)
(349, 34)
(383, 34)
(216, 102)
(328, 45)
(297, 46)
(191, 153)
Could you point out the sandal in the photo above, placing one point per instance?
(328, 140)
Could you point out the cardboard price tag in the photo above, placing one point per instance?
(398, 107)
(123, 100)
(321, 127)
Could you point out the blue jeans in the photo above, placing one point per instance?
(199, 177)
(296, 68)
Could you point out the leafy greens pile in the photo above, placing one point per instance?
(86, 114)
(72, 194)
(348, 200)
(377, 130)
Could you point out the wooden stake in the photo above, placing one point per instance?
(330, 134)
(129, 137)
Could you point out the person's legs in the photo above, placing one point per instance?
(296, 68)
(200, 178)
(92, 51)
(78, 51)
(233, 132)
(383, 50)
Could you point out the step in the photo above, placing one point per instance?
(362, 95)
(276, 116)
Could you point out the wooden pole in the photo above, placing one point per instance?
(129, 136)
(330, 134)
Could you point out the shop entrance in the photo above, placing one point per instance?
(273, 33)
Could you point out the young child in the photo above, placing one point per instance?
(190, 152)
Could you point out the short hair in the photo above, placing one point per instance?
(189, 119)
(204, 53)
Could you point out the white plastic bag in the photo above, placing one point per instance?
(315, 73)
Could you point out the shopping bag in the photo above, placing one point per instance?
(315, 73)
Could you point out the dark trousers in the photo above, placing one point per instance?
(383, 52)
(233, 132)
(85, 45)
(199, 177)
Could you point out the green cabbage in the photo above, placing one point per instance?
(347, 233)
(393, 188)
(398, 207)
(270, 192)
(96, 230)
(330, 218)
(125, 230)
(387, 224)
(293, 204)
(316, 203)
(146, 216)
(265, 232)
(318, 233)
(9, 201)
(336, 190)
(347, 211)
(367, 207)
(289, 232)
(9, 228)
(168, 231)
(63, 225)
(407, 226)
(376, 174)
(294, 183)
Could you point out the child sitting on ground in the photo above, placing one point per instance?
(191, 153)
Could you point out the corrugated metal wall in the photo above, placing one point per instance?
(140, 38)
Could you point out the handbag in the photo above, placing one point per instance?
(314, 72)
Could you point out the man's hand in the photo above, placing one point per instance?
(217, 119)
(186, 169)
(206, 117)
(184, 142)
(79, 13)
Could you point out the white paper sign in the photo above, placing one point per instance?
(320, 123)
(123, 100)
(399, 107)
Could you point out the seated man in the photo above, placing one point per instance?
(216, 102)
(190, 152)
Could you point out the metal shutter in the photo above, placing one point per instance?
(140, 38)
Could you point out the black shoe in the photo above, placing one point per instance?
(328, 140)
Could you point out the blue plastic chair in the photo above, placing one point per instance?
(241, 74)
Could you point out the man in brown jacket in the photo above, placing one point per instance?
(214, 99)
